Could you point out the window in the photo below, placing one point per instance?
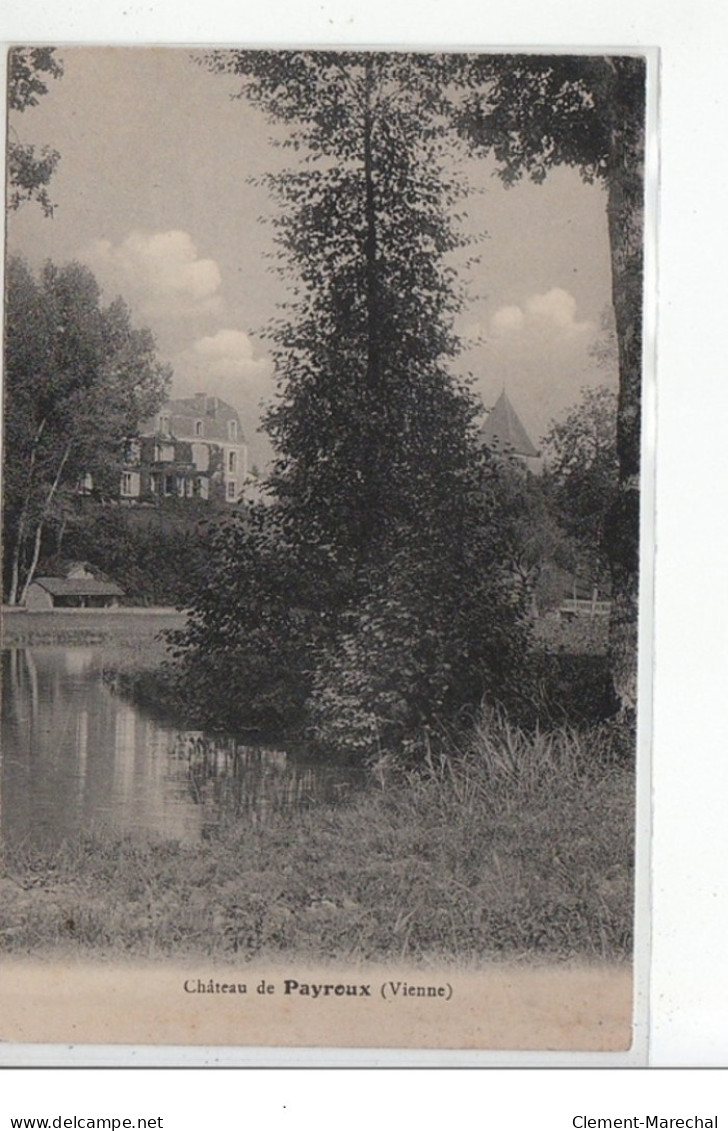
(132, 452)
(232, 461)
(169, 484)
(233, 429)
(129, 484)
(198, 428)
(231, 491)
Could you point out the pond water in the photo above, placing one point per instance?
(76, 756)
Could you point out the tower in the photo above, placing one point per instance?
(503, 432)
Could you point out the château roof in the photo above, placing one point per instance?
(199, 417)
(503, 432)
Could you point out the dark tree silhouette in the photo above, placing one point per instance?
(383, 537)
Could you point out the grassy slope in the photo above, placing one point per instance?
(519, 848)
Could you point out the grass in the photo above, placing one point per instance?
(502, 845)
(578, 637)
(85, 627)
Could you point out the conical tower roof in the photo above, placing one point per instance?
(503, 432)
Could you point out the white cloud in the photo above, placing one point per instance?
(552, 313)
(228, 353)
(559, 307)
(160, 270)
(507, 318)
(224, 363)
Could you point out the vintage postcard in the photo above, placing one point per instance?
(322, 565)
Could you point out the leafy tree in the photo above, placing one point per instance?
(584, 471)
(78, 379)
(533, 112)
(380, 494)
(441, 627)
(542, 552)
(257, 613)
(368, 419)
(29, 168)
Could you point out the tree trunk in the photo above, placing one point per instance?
(370, 239)
(370, 395)
(22, 521)
(626, 229)
(39, 528)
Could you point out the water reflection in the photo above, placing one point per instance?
(74, 755)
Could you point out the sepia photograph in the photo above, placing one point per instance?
(322, 576)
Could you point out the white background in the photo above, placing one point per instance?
(689, 990)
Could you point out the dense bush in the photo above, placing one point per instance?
(440, 628)
(154, 554)
(552, 689)
(289, 634)
(258, 610)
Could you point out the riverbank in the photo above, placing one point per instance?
(520, 848)
(21, 628)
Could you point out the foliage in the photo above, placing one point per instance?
(575, 636)
(372, 594)
(543, 556)
(583, 470)
(533, 112)
(442, 627)
(30, 169)
(154, 554)
(369, 423)
(78, 379)
(257, 610)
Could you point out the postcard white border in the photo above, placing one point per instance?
(691, 1028)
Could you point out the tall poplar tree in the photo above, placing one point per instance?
(382, 501)
(369, 423)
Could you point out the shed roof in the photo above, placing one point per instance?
(78, 587)
(503, 431)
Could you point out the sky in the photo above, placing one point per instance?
(155, 193)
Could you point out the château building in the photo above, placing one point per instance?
(193, 448)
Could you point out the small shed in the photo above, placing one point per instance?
(72, 593)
